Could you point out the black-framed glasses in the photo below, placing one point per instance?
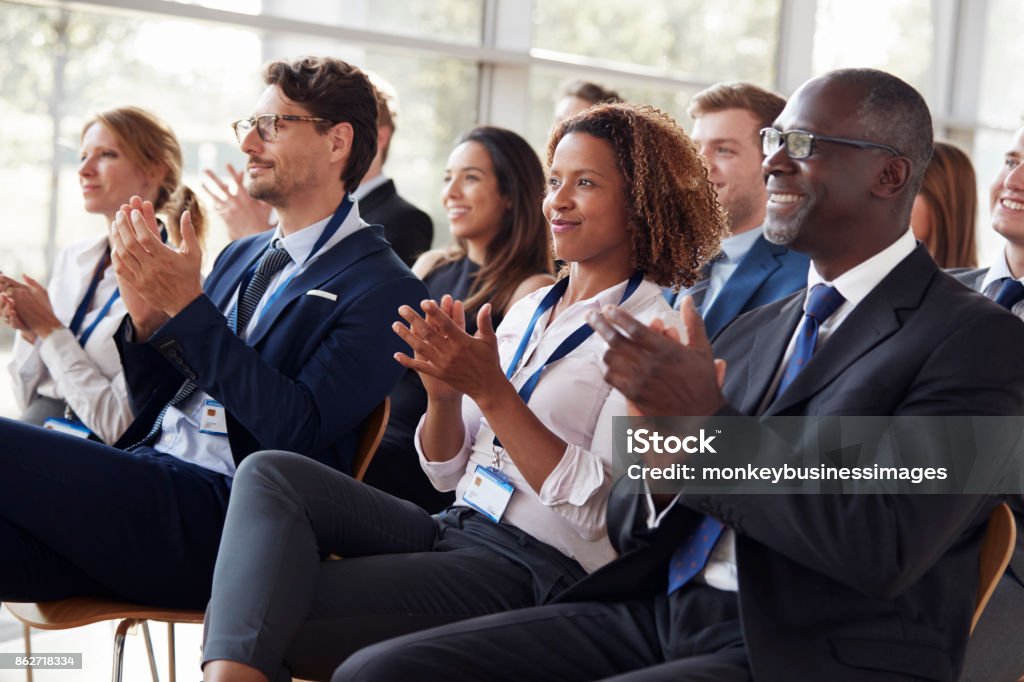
(266, 125)
(799, 144)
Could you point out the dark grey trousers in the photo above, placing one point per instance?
(282, 607)
(693, 636)
(995, 652)
(41, 409)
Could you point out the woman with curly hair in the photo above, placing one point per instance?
(518, 422)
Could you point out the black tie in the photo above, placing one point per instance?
(273, 260)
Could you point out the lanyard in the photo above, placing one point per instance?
(571, 343)
(332, 226)
(90, 293)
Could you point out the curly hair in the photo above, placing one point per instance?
(675, 222)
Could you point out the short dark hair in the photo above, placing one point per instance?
(763, 104)
(332, 89)
(894, 113)
(591, 92)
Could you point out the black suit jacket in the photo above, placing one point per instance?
(847, 587)
(409, 229)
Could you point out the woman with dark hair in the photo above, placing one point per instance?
(66, 371)
(945, 210)
(493, 186)
(518, 422)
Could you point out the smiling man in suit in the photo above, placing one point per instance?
(845, 588)
(288, 346)
(751, 271)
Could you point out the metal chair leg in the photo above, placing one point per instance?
(28, 651)
(171, 670)
(149, 651)
(118, 663)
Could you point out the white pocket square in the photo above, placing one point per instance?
(322, 294)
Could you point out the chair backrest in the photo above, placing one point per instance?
(996, 549)
(370, 434)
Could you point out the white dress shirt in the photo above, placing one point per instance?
(180, 435)
(90, 379)
(854, 285)
(368, 186)
(574, 402)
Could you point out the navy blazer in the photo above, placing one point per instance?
(846, 587)
(767, 273)
(311, 370)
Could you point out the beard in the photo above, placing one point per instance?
(785, 231)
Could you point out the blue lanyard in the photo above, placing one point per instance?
(332, 226)
(83, 307)
(571, 343)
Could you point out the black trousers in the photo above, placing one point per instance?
(282, 606)
(693, 635)
(82, 518)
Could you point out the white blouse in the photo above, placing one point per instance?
(574, 402)
(90, 379)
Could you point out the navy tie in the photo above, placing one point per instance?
(823, 301)
(1010, 293)
(692, 553)
(273, 260)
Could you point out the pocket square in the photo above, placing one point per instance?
(322, 294)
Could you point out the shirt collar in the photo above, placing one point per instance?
(737, 246)
(299, 244)
(368, 186)
(1000, 270)
(857, 282)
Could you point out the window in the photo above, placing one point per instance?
(891, 35)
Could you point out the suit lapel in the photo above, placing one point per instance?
(224, 288)
(756, 267)
(328, 266)
(770, 343)
(875, 319)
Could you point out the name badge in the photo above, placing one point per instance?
(489, 492)
(213, 420)
(69, 427)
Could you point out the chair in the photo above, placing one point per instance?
(75, 612)
(996, 549)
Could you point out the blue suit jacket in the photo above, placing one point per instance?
(767, 273)
(312, 369)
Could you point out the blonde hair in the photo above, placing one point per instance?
(150, 143)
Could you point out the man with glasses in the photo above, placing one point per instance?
(409, 230)
(729, 587)
(288, 345)
(750, 271)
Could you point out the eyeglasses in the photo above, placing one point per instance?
(266, 125)
(799, 144)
